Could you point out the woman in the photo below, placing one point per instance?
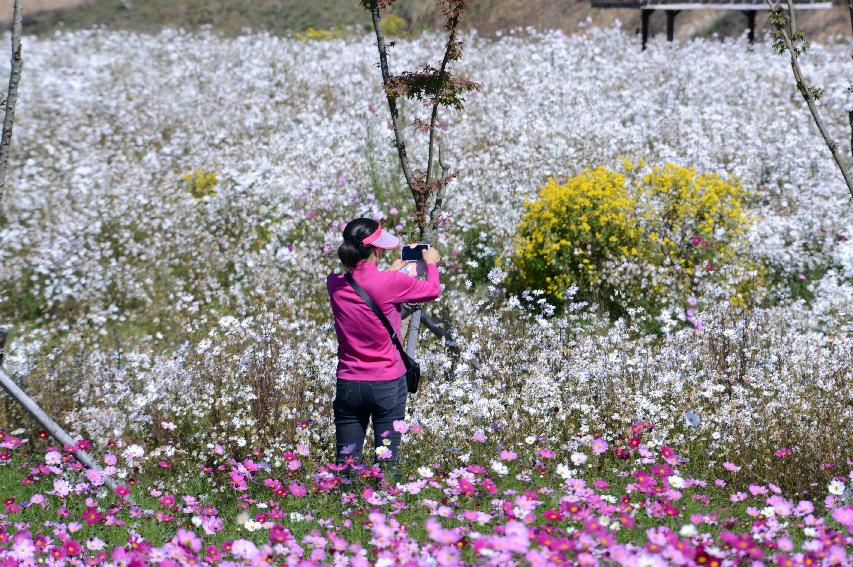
(371, 376)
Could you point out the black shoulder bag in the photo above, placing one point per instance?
(413, 369)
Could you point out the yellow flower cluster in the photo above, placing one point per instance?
(394, 25)
(201, 183)
(572, 229)
(318, 34)
(650, 233)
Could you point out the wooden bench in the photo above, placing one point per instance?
(673, 7)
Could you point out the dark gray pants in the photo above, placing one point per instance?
(356, 402)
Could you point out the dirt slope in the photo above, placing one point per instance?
(488, 16)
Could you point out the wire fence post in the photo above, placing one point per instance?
(44, 420)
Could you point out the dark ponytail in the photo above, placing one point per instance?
(352, 251)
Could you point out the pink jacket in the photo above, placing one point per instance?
(365, 350)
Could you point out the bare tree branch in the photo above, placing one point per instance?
(435, 213)
(392, 102)
(808, 93)
(451, 45)
(850, 120)
(12, 96)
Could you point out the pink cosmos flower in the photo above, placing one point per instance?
(731, 467)
(785, 544)
(507, 455)
(72, 548)
(91, 516)
(516, 536)
(844, 516)
(738, 497)
(599, 446)
(783, 452)
(804, 508)
(61, 488)
(479, 437)
(95, 477)
(447, 555)
(781, 507)
(122, 491)
(212, 524)
(187, 540)
(401, 426)
(489, 486)
(238, 482)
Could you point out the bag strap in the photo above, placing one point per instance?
(363, 294)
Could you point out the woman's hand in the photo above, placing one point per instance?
(397, 264)
(431, 256)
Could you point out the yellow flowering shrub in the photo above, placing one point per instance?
(201, 183)
(394, 25)
(572, 229)
(640, 237)
(318, 34)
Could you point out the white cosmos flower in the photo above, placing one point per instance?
(578, 458)
(133, 453)
(499, 467)
(252, 525)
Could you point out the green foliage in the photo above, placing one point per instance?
(632, 239)
(478, 256)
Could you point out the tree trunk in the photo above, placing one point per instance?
(12, 95)
(850, 6)
(392, 103)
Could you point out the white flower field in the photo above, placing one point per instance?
(133, 303)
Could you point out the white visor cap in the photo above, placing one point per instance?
(382, 239)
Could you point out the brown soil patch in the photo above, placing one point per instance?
(36, 6)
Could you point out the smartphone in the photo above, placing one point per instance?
(413, 252)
